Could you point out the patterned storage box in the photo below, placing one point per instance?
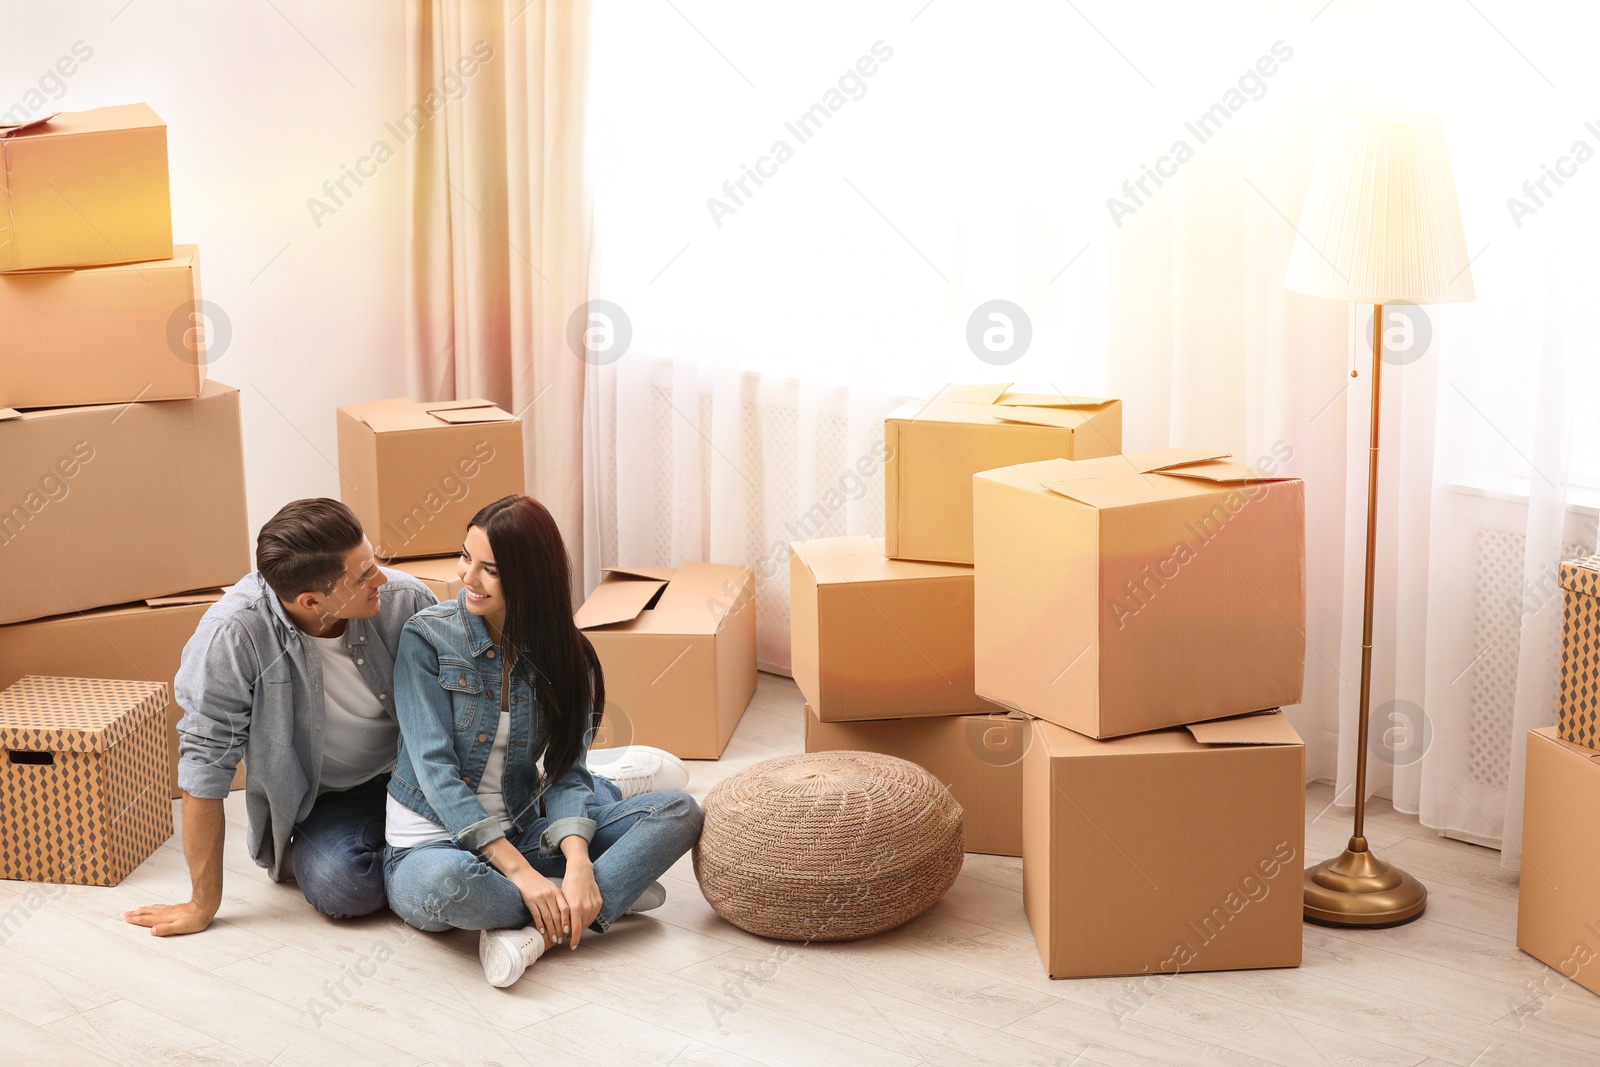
(1578, 714)
(83, 778)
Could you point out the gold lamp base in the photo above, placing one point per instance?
(1356, 888)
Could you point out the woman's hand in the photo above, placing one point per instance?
(547, 905)
(583, 896)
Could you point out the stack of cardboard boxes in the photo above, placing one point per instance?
(1558, 905)
(1090, 649)
(122, 502)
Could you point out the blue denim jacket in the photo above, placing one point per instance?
(250, 686)
(447, 678)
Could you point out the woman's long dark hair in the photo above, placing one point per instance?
(553, 654)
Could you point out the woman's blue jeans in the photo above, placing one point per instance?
(442, 886)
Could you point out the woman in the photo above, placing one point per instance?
(494, 822)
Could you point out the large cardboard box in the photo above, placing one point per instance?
(678, 647)
(414, 473)
(134, 642)
(1119, 595)
(85, 188)
(437, 573)
(932, 448)
(82, 782)
(1558, 905)
(878, 638)
(115, 503)
(106, 335)
(1178, 850)
(1578, 708)
(979, 757)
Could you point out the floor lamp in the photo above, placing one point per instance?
(1380, 226)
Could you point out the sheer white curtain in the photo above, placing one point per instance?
(774, 322)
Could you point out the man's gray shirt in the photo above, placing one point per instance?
(250, 686)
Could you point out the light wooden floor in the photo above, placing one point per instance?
(273, 983)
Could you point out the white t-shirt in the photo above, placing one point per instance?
(404, 828)
(359, 737)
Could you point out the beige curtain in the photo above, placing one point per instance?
(497, 238)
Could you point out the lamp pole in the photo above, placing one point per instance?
(1356, 888)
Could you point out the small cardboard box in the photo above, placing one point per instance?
(83, 797)
(1558, 904)
(932, 449)
(1578, 710)
(106, 335)
(135, 642)
(979, 757)
(437, 573)
(415, 473)
(678, 647)
(878, 638)
(85, 188)
(1119, 595)
(1179, 850)
(115, 503)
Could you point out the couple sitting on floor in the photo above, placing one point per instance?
(431, 756)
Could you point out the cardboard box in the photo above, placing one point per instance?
(878, 638)
(135, 642)
(1578, 707)
(120, 502)
(678, 647)
(979, 757)
(933, 448)
(85, 188)
(1120, 595)
(107, 335)
(1558, 905)
(414, 474)
(82, 777)
(437, 573)
(1179, 850)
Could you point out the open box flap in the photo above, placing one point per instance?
(1119, 481)
(401, 414)
(1167, 460)
(458, 412)
(683, 608)
(1261, 728)
(1052, 400)
(7, 414)
(1114, 491)
(614, 601)
(1220, 472)
(7, 129)
(1065, 416)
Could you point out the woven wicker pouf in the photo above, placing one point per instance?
(827, 846)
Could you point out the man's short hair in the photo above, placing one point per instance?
(301, 549)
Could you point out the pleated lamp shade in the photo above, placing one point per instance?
(1380, 222)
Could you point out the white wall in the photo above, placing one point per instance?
(261, 109)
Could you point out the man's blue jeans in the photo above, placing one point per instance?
(441, 886)
(338, 850)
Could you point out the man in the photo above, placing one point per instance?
(292, 671)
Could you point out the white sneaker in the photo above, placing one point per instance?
(505, 954)
(636, 769)
(654, 895)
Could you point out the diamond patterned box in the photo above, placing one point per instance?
(83, 778)
(1578, 711)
